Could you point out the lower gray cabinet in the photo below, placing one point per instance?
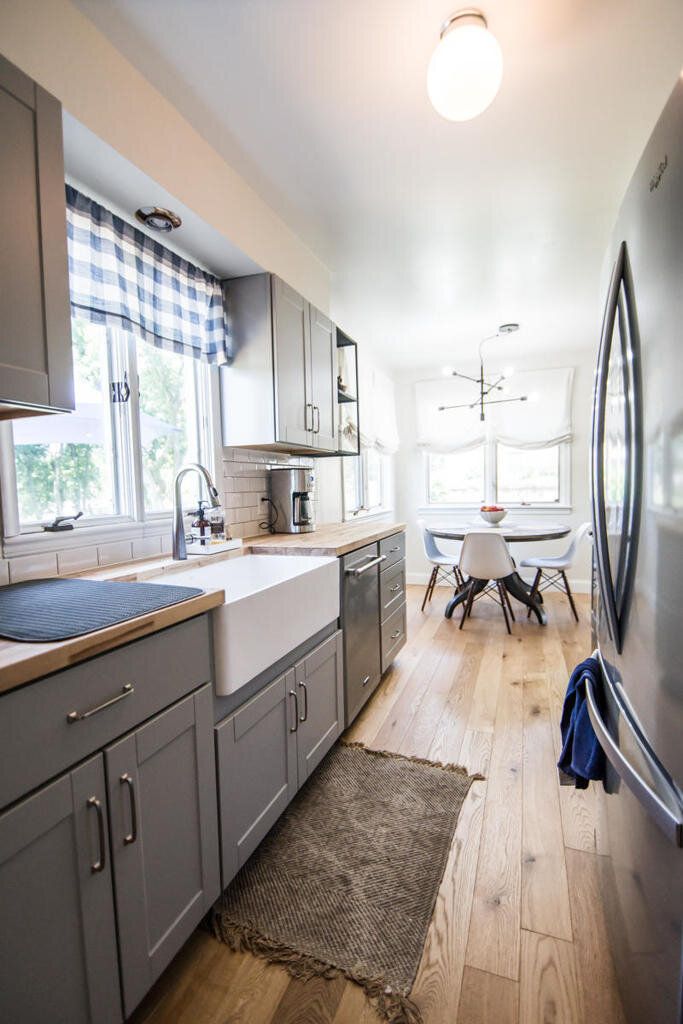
(162, 799)
(320, 699)
(58, 959)
(257, 771)
(268, 748)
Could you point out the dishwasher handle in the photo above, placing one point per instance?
(368, 565)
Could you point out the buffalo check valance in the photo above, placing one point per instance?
(121, 277)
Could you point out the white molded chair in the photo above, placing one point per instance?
(552, 571)
(444, 567)
(485, 558)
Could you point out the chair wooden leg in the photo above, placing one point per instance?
(430, 587)
(569, 595)
(509, 602)
(468, 607)
(534, 589)
(503, 604)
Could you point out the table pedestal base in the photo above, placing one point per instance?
(515, 586)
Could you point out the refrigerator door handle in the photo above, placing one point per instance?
(670, 823)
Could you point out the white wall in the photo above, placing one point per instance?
(410, 469)
(61, 49)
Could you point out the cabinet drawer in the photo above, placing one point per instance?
(393, 636)
(392, 588)
(393, 548)
(36, 738)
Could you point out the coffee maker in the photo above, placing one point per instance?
(291, 494)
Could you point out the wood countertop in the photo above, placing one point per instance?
(25, 662)
(333, 539)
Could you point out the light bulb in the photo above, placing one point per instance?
(508, 371)
(447, 371)
(466, 68)
(534, 396)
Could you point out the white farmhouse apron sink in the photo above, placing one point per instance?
(273, 603)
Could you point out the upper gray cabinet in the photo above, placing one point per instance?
(280, 390)
(36, 371)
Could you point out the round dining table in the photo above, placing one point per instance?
(512, 533)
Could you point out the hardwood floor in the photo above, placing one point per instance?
(517, 935)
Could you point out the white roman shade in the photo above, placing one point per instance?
(378, 425)
(542, 421)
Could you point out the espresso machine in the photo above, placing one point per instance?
(291, 494)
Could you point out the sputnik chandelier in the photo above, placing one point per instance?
(486, 387)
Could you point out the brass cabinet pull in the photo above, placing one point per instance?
(316, 419)
(366, 681)
(396, 635)
(126, 780)
(292, 693)
(306, 425)
(304, 717)
(79, 716)
(394, 589)
(102, 860)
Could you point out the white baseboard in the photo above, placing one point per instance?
(579, 586)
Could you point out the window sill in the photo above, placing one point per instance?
(375, 513)
(39, 541)
(516, 510)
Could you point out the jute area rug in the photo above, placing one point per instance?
(346, 882)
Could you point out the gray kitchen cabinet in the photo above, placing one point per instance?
(58, 959)
(279, 391)
(36, 371)
(267, 749)
(320, 704)
(291, 345)
(164, 835)
(257, 770)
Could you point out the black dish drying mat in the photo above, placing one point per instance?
(42, 610)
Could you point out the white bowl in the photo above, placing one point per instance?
(493, 517)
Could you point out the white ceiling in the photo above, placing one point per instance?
(435, 232)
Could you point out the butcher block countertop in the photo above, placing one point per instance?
(25, 662)
(334, 539)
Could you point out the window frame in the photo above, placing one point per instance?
(360, 466)
(132, 520)
(490, 455)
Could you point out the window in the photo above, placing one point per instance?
(496, 472)
(366, 482)
(457, 478)
(86, 460)
(527, 475)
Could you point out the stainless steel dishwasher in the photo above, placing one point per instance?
(360, 619)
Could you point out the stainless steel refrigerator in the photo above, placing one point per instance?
(637, 476)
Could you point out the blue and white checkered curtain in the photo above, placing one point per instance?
(121, 277)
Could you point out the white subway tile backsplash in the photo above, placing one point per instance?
(76, 559)
(32, 567)
(147, 547)
(115, 552)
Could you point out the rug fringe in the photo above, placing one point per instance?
(457, 769)
(391, 1006)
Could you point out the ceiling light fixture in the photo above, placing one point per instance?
(485, 386)
(158, 217)
(466, 68)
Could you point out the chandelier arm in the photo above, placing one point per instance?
(464, 376)
(502, 401)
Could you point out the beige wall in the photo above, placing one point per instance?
(62, 50)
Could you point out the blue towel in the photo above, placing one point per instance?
(582, 756)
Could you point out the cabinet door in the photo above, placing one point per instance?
(35, 327)
(292, 370)
(321, 704)
(323, 381)
(164, 833)
(257, 772)
(58, 958)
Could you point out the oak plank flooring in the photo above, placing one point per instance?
(488, 997)
(466, 697)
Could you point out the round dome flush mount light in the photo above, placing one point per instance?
(158, 217)
(466, 68)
